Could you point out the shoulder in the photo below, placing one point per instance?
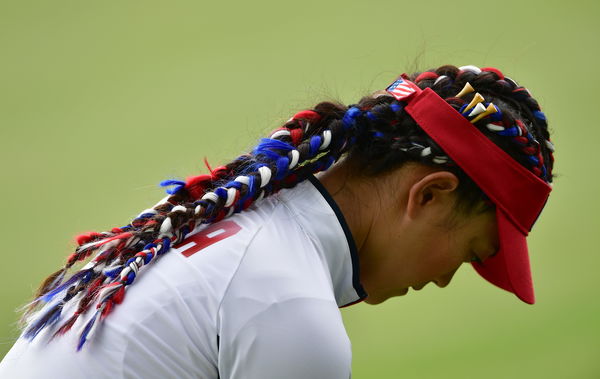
(280, 262)
(259, 251)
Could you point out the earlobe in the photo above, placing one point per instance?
(436, 187)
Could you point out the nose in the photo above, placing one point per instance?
(444, 280)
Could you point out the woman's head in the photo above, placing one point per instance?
(514, 123)
(375, 136)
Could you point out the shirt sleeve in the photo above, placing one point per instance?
(298, 338)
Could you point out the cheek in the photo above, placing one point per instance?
(438, 257)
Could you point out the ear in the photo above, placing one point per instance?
(434, 191)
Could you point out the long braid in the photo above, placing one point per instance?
(307, 143)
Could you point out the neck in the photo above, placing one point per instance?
(348, 192)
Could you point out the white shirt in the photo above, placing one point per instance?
(256, 295)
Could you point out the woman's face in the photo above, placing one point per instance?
(425, 242)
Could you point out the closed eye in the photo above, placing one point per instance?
(476, 259)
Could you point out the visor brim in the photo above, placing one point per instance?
(509, 268)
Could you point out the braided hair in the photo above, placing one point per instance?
(375, 135)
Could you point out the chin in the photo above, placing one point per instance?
(373, 300)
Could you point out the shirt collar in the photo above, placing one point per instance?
(322, 219)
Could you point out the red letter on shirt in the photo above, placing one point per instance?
(211, 234)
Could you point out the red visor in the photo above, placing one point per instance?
(519, 195)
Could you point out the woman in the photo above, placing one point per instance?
(446, 166)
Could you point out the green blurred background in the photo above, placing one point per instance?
(100, 101)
